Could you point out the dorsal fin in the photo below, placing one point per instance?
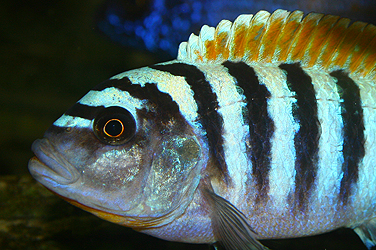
(316, 41)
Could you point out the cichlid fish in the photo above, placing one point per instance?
(262, 128)
(160, 25)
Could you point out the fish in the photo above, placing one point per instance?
(262, 128)
(160, 26)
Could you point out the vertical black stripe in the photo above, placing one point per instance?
(206, 99)
(306, 140)
(165, 107)
(261, 125)
(353, 132)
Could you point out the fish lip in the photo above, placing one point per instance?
(49, 164)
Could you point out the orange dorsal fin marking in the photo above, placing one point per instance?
(369, 62)
(345, 47)
(286, 36)
(316, 45)
(238, 35)
(361, 50)
(316, 41)
(222, 37)
(303, 37)
(254, 35)
(269, 40)
(325, 56)
(211, 54)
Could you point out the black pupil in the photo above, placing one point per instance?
(114, 128)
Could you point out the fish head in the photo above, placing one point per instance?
(121, 157)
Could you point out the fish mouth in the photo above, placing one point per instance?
(48, 165)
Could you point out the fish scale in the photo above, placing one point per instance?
(261, 129)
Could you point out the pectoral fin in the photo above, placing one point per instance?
(367, 232)
(230, 225)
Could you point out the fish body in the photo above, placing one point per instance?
(261, 129)
(160, 25)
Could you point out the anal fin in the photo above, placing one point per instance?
(230, 225)
(367, 232)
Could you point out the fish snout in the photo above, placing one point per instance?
(49, 165)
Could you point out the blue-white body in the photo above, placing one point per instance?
(261, 129)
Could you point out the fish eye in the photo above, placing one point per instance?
(114, 126)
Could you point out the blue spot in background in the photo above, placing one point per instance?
(160, 25)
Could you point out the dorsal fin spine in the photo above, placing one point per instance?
(284, 40)
(344, 48)
(238, 35)
(255, 33)
(369, 61)
(364, 43)
(208, 43)
(222, 36)
(314, 48)
(303, 37)
(193, 48)
(274, 27)
(206, 34)
(328, 50)
(183, 50)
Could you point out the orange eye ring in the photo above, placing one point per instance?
(114, 126)
(111, 123)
